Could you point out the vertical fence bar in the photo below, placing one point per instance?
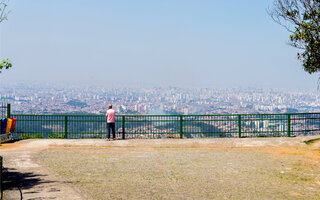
(8, 110)
(239, 125)
(181, 128)
(289, 125)
(123, 128)
(66, 127)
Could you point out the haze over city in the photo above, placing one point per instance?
(183, 43)
(159, 99)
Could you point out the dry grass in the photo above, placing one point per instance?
(188, 173)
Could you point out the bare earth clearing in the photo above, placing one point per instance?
(222, 168)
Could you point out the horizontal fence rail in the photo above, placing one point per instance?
(168, 126)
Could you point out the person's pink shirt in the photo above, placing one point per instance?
(110, 116)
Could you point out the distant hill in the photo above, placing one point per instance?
(77, 103)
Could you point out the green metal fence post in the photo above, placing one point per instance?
(289, 125)
(123, 128)
(239, 124)
(66, 127)
(8, 110)
(181, 127)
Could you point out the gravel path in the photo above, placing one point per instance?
(162, 169)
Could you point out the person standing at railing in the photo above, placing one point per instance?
(111, 121)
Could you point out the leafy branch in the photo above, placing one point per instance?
(4, 64)
(302, 19)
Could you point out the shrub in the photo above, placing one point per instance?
(56, 136)
(26, 136)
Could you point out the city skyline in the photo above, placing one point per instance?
(52, 99)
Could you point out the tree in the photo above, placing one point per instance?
(302, 19)
(4, 64)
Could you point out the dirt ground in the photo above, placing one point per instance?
(221, 168)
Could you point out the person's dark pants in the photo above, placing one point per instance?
(112, 127)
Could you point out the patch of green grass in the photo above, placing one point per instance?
(262, 136)
(26, 136)
(309, 142)
(95, 136)
(293, 177)
(56, 136)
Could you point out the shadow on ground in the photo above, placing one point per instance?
(12, 179)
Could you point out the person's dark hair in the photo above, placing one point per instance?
(109, 106)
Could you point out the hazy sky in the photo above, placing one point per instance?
(203, 43)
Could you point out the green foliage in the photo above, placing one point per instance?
(26, 136)
(4, 64)
(56, 136)
(3, 13)
(261, 135)
(302, 19)
(95, 136)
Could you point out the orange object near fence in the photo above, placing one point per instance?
(9, 123)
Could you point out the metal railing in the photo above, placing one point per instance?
(168, 126)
